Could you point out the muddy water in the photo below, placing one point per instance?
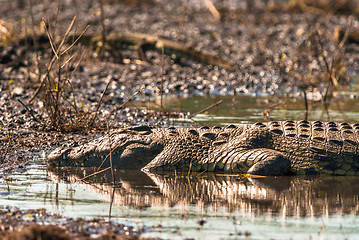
(205, 206)
(244, 109)
(200, 206)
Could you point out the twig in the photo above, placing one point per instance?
(201, 173)
(29, 110)
(189, 169)
(67, 61)
(111, 165)
(112, 198)
(162, 78)
(34, 39)
(212, 9)
(77, 39)
(51, 40)
(43, 79)
(71, 74)
(99, 102)
(205, 109)
(67, 33)
(53, 59)
(126, 101)
(112, 171)
(102, 20)
(345, 37)
(305, 103)
(95, 173)
(183, 15)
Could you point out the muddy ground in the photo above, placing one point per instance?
(16, 224)
(269, 48)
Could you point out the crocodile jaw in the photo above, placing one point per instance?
(123, 153)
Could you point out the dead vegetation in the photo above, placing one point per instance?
(318, 67)
(58, 95)
(53, 73)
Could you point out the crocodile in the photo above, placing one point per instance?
(272, 148)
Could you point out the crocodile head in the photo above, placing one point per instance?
(130, 149)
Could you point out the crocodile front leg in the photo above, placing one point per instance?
(259, 161)
(270, 162)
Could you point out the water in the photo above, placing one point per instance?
(244, 109)
(200, 206)
(205, 206)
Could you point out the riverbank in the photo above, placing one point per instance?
(17, 224)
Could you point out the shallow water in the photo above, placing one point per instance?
(205, 206)
(200, 206)
(244, 109)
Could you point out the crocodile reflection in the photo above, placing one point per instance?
(286, 196)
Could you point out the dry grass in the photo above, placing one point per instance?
(55, 89)
(319, 64)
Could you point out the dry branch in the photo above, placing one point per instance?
(206, 109)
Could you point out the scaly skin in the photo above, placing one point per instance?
(274, 148)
